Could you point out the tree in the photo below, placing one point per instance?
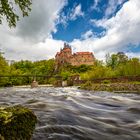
(7, 9)
(44, 67)
(122, 58)
(112, 61)
(116, 59)
(4, 69)
(3, 65)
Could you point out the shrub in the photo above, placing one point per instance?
(87, 85)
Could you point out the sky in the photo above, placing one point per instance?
(98, 26)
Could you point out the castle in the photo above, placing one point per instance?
(66, 56)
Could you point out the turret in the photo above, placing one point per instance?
(67, 45)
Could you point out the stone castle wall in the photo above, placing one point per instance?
(65, 56)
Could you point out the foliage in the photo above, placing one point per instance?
(130, 68)
(65, 75)
(4, 70)
(81, 68)
(116, 65)
(97, 72)
(115, 59)
(88, 85)
(3, 65)
(52, 81)
(45, 67)
(22, 67)
(9, 9)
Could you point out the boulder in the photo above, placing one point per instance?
(16, 123)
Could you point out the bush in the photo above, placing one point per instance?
(87, 85)
(52, 81)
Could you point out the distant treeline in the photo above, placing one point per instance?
(116, 65)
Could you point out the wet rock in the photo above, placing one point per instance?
(16, 123)
(64, 83)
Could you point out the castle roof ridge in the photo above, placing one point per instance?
(83, 53)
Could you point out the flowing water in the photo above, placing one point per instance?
(73, 114)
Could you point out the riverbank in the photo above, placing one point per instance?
(113, 87)
(29, 86)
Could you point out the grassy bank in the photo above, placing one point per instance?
(113, 87)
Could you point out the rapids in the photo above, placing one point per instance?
(74, 114)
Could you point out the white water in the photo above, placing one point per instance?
(73, 114)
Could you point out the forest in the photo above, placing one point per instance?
(115, 65)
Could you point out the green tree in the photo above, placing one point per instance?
(4, 70)
(131, 68)
(112, 60)
(80, 69)
(44, 67)
(8, 10)
(25, 67)
(122, 58)
(65, 75)
(116, 59)
(98, 72)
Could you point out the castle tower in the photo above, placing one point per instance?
(64, 55)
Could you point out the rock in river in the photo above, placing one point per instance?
(16, 123)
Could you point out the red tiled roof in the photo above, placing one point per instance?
(83, 53)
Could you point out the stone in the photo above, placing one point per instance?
(34, 84)
(64, 83)
(16, 123)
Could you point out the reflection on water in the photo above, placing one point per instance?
(73, 114)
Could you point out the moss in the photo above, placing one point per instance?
(16, 123)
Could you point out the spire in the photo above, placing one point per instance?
(67, 45)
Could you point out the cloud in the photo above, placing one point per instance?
(94, 6)
(112, 6)
(25, 42)
(16, 48)
(121, 31)
(76, 12)
(39, 51)
(72, 15)
(132, 54)
(41, 21)
(87, 35)
(31, 39)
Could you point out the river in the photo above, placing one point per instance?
(73, 114)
